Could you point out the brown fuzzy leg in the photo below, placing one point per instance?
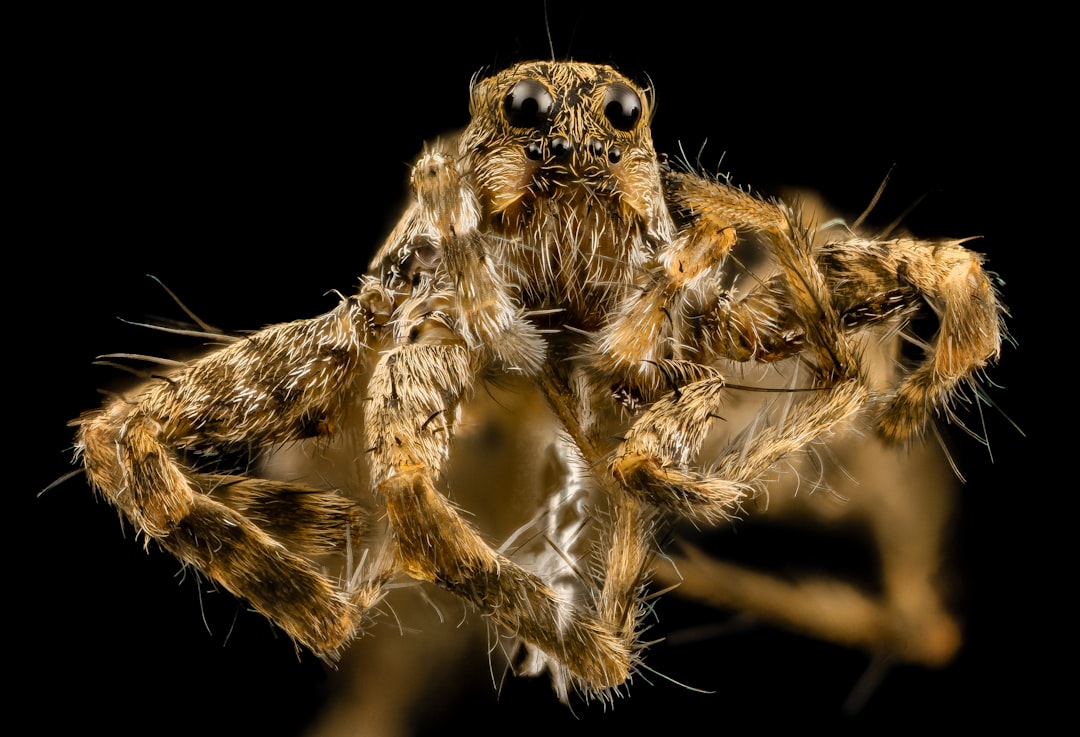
(434, 544)
(284, 383)
(640, 334)
(951, 278)
(414, 389)
(628, 552)
(654, 457)
(128, 463)
(756, 327)
(652, 462)
(626, 542)
(904, 498)
(862, 273)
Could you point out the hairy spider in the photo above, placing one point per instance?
(547, 249)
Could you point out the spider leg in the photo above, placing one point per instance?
(459, 319)
(903, 500)
(951, 279)
(414, 391)
(642, 331)
(653, 459)
(284, 383)
(870, 281)
(625, 544)
(680, 312)
(645, 348)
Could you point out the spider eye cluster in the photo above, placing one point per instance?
(529, 104)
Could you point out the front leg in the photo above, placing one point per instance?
(284, 383)
(680, 312)
(870, 281)
(414, 393)
(795, 314)
(951, 279)
(458, 319)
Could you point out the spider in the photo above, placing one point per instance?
(548, 250)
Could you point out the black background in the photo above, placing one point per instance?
(254, 162)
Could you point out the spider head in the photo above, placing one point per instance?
(562, 131)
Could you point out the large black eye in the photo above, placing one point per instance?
(622, 106)
(528, 104)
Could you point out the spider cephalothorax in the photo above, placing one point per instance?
(548, 249)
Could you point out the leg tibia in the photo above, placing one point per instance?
(312, 521)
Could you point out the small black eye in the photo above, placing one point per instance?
(528, 104)
(622, 106)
